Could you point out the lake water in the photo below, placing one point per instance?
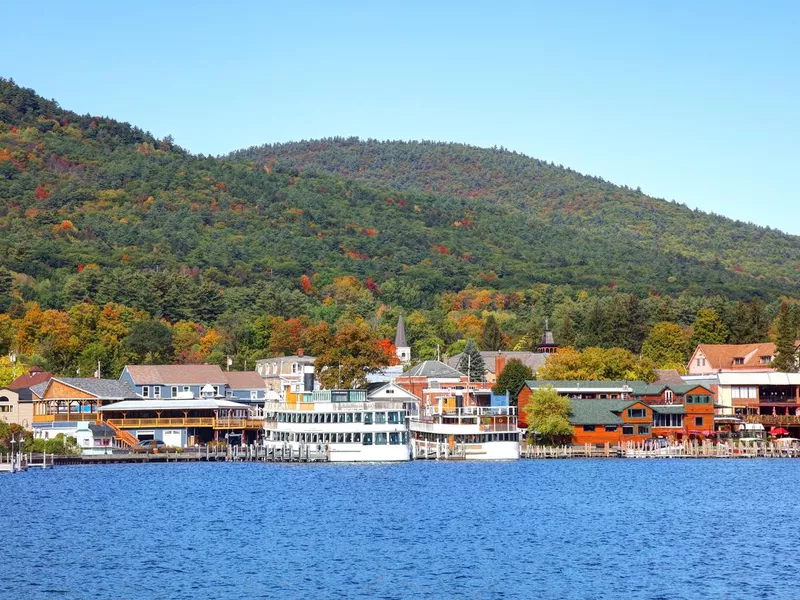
(526, 529)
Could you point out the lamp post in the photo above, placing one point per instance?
(13, 454)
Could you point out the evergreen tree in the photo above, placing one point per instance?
(5, 289)
(491, 336)
(566, 334)
(471, 362)
(511, 378)
(759, 321)
(785, 359)
(739, 324)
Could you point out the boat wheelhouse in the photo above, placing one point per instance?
(341, 425)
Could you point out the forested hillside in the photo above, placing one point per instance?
(118, 247)
(542, 194)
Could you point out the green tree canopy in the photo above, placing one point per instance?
(708, 328)
(547, 415)
(665, 345)
(511, 379)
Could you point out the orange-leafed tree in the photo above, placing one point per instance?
(354, 352)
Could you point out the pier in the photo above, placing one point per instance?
(687, 449)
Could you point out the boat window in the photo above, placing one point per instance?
(348, 438)
(358, 417)
(349, 417)
(394, 438)
(368, 419)
(380, 418)
(367, 439)
(394, 418)
(405, 437)
(380, 439)
(357, 438)
(402, 417)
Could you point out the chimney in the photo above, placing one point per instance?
(300, 352)
(499, 363)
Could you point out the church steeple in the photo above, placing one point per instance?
(400, 343)
(548, 344)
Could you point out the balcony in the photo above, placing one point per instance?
(773, 419)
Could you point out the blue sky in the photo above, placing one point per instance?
(693, 101)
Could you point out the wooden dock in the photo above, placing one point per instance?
(648, 450)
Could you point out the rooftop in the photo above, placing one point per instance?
(597, 412)
(109, 389)
(433, 368)
(35, 377)
(174, 374)
(534, 360)
(244, 380)
(167, 404)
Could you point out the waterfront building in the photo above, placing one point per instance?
(95, 438)
(61, 403)
(714, 358)
(381, 391)
(283, 374)
(610, 421)
(183, 422)
(341, 425)
(16, 407)
(769, 398)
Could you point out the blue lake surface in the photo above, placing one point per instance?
(526, 529)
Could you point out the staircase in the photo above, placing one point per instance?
(125, 439)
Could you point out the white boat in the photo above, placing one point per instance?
(467, 432)
(337, 425)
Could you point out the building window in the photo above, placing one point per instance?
(588, 428)
(611, 428)
(627, 430)
(738, 360)
(145, 391)
(253, 395)
(644, 429)
(156, 391)
(637, 413)
(173, 391)
(698, 421)
(668, 396)
(765, 360)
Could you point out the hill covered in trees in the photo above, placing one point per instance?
(119, 247)
(660, 241)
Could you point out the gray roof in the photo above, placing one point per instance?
(111, 389)
(668, 376)
(547, 338)
(597, 412)
(534, 360)
(101, 430)
(433, 368)
(400, 336)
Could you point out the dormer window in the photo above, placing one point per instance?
(765, 360)
(739, 360)
(668, 396)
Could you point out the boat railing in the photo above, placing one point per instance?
(377, 405)
(471, 411)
